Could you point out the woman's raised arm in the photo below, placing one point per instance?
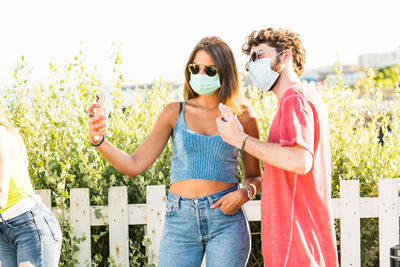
(147, 152)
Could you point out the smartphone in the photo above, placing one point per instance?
(100, 100)
(100, 111)
(224, 117)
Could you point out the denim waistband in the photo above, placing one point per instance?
(211, 198)
(21, 207)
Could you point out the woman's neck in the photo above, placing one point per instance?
(208, 100)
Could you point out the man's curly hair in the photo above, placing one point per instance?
(280, 39)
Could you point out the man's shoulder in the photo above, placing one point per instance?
(295, 93)
(298, 90)
(304, 93)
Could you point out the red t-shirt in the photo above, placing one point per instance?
(296, 214)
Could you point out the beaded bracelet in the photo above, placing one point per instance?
(102, 140)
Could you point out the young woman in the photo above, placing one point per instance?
(203, 211)
(29, 232)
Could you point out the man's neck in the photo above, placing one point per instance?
(285, 81)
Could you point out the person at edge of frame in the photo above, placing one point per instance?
(30, 234)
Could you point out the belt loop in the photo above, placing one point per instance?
(177, 203)
(1, 218)
(210, 200)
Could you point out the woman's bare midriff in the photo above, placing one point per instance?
(194, 188)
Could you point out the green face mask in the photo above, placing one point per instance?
(204, 84)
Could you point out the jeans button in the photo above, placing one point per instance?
(196, 201)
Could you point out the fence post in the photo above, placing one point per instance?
(388, 218)
(155, 210)
(118, 225)
(80, 222)
(45, 195)
(350, 223)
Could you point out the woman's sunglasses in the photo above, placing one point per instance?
(210, 70)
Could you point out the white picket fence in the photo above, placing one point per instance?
(349, 208)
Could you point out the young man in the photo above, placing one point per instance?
(296, 213)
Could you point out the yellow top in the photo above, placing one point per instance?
(20, 183)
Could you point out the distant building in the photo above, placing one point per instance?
(378, 60)
(350, 73)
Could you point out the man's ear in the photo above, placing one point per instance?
(287, 55)
(281, 60)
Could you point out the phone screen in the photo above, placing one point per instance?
(222, 113)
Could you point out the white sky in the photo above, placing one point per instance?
(158, 35)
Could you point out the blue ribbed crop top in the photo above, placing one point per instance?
(197, 156)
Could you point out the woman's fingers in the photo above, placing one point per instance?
(97, 118)
(91, 108)
(97, 126)
(94, 133)
(218, 203)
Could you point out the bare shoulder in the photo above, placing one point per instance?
(248, 114)
(170, 113)
(248, 120)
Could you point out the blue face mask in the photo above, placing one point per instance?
(204, 84)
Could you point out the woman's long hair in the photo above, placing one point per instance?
(229, 93)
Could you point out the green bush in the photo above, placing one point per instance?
(51, 116)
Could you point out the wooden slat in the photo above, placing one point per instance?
(45, 194)
(204, 262)
(80, 222)
(156, 201)
(336, 208)
(103, 212)
(350, 223)
(118, 224)
(137, 214)
(253, 210)
(369, 207)
(388, 218)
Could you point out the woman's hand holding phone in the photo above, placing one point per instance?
(97, 123)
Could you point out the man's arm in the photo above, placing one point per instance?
(295, 159)
(290, 158)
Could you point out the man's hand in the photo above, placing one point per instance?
(232, 201)
(231, 131)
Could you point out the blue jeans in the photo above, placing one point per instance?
(34, 236)
(192, 228)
